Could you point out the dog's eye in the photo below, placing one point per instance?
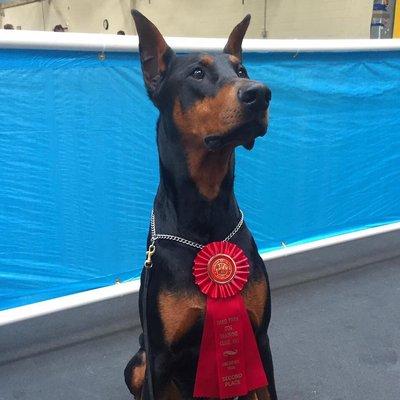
(241, 72)
(198, 73)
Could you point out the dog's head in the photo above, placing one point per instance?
(210, 97)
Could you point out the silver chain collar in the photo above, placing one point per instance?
(155, 236)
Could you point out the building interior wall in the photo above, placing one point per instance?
(285, 19)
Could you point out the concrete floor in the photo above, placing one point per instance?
(336, 338)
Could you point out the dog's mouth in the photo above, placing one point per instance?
(244, 135)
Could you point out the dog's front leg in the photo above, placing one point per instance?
(135, 376)
(268, 393)
(135, 373)
(259, 394)
(163, 387)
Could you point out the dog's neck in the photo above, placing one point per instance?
(180, 207)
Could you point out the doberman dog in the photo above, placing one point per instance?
(208, 106)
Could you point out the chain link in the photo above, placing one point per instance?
(155, 236)
(238, 226)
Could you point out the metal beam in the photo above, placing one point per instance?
(17, 3)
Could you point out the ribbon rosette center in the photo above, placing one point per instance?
(221, 268)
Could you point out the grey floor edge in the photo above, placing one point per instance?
(334, 338)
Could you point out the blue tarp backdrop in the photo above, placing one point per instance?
(79, 163)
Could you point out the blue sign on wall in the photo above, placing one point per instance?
(79, 164)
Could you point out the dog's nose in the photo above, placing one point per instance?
(255, 96)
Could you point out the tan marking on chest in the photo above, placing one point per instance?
(255, 299)
(208, 169)
(179, 312)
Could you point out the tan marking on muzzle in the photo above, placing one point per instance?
(211, 115)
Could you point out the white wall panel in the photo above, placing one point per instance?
(205, 18)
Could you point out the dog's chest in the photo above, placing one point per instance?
(180, 311)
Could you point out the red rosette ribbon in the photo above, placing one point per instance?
(221, 269)
(229, 361)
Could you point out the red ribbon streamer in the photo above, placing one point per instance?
(229, 362)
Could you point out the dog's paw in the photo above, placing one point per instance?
(135, 373)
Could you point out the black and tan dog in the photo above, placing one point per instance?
(208, 106)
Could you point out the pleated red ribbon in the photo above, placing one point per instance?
(229, 362)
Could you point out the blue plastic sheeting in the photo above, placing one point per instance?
(79, 164)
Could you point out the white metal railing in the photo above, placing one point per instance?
(107, 42)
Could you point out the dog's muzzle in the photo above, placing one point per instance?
(254, 97)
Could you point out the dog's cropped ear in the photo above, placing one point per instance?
(234, 44)
(155, 54)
